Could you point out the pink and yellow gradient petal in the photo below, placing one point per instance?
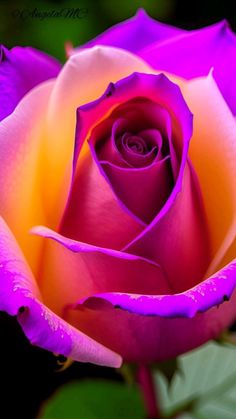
(213, 154)
(22, 168)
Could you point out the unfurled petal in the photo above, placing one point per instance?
(204, 296)
(75, 270)
(150, 328)
(21, 69)
(193, 54)
(135, 33)
(19, 295)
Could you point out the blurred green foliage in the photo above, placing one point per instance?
(94, 399)
(23, 23)
(204, 387)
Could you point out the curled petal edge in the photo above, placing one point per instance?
(209, 293)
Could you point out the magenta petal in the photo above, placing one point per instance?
(144, 190)
(110, 151)
(157, 88)
(208, 294)
(92, 269)
(127, 34)
(193, 54)
(21, 69)
(182, 248)
(19, 295)
(165, 326)
(93, 214)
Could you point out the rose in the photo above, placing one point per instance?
(117, 273)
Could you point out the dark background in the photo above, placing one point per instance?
(28, 374)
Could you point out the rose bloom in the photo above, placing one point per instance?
(118, 192)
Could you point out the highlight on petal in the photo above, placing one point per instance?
(19, 295)
(23, 169)
(192, 54)
(213, 154)
(127, 34)
(83, 78)
(21, 69)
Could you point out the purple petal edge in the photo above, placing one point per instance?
(126, 34)
(209, 293)
(21, 69)
(20, 296)
(77, 246)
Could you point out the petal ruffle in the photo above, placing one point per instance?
(21, 69)
(20, 296)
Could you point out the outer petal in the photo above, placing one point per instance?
(20, 70)
(159, 327)
(75, 270)
(193, 54)
(213, 154)
(20, 296)
(150, 338)
(22, 167)
(127, 34)
(209, 293)
(84, 77)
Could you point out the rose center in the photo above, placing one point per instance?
(134, 143)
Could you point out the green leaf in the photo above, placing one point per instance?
(204, 388)
(87, 399)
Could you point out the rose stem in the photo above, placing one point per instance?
(147, 388)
